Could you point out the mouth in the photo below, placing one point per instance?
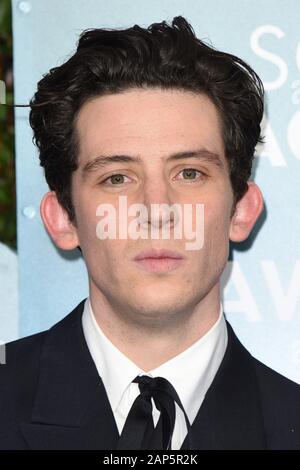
(159, 260)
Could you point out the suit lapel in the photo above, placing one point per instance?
(71, 408)
(72, 411)
(230, 416)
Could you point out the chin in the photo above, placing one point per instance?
(153, 304)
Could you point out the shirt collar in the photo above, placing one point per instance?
(199, 363)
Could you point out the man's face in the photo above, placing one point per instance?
(152, 124)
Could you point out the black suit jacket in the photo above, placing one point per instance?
(51, 397)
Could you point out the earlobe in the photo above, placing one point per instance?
(247, 212)
(57, 223)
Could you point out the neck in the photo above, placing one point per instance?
(150, 345)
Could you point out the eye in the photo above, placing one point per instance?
(115, 179)
(191, 174)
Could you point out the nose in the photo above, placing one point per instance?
(158, 199)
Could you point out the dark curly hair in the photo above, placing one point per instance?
(165, 56)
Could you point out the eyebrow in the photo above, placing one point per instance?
(102, 161)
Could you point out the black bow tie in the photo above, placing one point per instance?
(138, 431)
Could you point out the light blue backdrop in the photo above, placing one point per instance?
(262, 281)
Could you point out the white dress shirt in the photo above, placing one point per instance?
(190, 372)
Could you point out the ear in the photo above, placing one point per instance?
(247, 211)
(57, 222)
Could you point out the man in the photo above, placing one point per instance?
(148, 361)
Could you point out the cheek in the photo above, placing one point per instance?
(86, 210)
(87, 230)
(87, 234)
(216, 228)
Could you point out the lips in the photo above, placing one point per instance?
(159, 261)
(158, 254)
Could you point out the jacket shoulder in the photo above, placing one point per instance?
(26, 349)
(19, 373)
(274, 384)
(21, 352)
(18, 380)
(280, 401)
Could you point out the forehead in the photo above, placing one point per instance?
(148, 122)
